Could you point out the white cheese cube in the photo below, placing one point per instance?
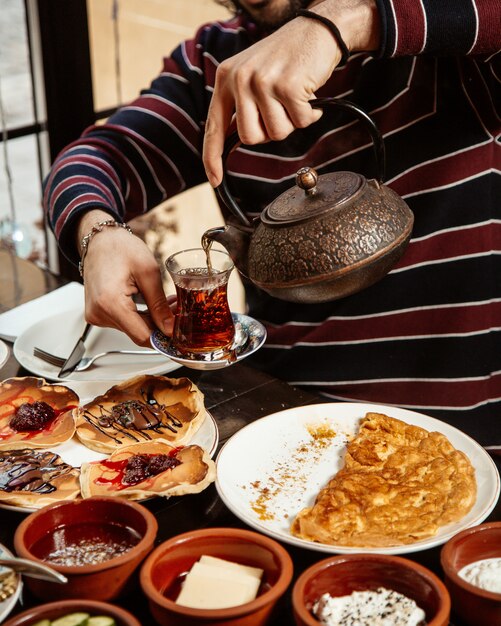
(214, 561)
(216, 592)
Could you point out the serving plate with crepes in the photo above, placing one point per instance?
(274, 469)
(74, 453)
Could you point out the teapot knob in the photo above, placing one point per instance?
(306, 178)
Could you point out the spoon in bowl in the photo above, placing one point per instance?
(33, 569)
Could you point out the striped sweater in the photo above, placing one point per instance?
(426, 337)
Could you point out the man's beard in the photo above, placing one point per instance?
(268, 18)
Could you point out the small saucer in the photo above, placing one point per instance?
(249, 337)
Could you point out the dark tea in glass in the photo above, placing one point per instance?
(203, 325)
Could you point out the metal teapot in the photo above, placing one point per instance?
(326, 238)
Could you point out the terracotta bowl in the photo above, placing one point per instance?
(341, 575)
(161, 571)
(474, 605)
(58, 609)
(62, 524)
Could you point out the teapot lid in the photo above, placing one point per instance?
(309, 199)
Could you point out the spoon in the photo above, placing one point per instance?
(33, 569)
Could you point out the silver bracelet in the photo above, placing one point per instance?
(97, 228)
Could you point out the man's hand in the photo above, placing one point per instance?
(117, 266)
(269, 85)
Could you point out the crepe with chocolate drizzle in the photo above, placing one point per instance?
(34, 478)
(140, 410)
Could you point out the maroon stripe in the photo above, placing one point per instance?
(488, 27)
(135, 199)
(210, 68)
(85, 180)
(83, 199)
(450, 169)
(408, 324)
(460, 393)
(171, 117)
(456, 243)
(171, 67)
(96, 161)
(411, 22)
(192, 52)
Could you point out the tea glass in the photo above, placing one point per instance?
(203, 324)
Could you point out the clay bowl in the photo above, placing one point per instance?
(160, 576)
(341, 575)
(474, 605)
(58, 609)
(98, 519)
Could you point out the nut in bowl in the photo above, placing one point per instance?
(342, 576)
(51, 613)
(97, 543)
(471, 562)
(166, 572)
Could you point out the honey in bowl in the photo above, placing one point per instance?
(85, 544)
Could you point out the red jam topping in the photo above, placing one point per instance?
(32, 416)
(139, 467)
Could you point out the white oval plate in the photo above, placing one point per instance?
(8, 604)
(58, 334)
(4, 353)
(271, 469)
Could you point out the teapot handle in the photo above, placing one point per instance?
(319, 103)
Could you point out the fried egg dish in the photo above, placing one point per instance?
(399, 484)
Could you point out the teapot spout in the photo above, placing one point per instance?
(236, 241)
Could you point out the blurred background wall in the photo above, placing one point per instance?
(127, 41)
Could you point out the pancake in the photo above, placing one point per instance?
(144, 470)
(400, 483)
(140, 410)
(35, 414)
(34, 478)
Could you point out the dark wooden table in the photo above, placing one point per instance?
(235, 396)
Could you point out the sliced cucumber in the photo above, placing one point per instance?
(73, 619)
(101, 620)
(43, 622)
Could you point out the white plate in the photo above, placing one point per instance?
(4, 353)
(7, 605)
(57, 334)
(75, 453)
(273, 468)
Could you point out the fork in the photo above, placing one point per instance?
(86, 361)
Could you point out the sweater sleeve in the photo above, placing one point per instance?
(439, 27)
(148, 151)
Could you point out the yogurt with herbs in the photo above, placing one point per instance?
(383, 607)
(485, 574)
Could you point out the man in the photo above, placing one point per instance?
(428, 335)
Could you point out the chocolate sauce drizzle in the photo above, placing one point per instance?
(30, 470)
(134, 418)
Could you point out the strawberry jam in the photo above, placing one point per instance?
(137, 468)
(32, 416)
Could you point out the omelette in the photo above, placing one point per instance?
(399, 484)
